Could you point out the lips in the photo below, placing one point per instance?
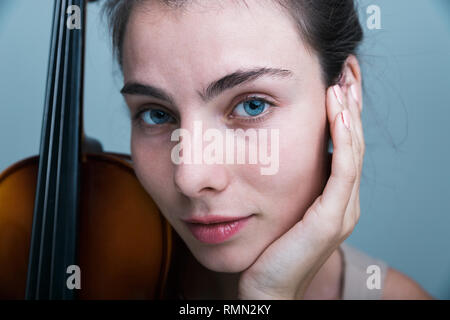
(216, 229)
(213, 219)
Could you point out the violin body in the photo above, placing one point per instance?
(124, 243)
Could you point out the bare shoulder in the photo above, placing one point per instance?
(397, 286)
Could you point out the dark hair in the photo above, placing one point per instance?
(330, 27)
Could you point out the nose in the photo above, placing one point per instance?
(195, 179)
(198, 180)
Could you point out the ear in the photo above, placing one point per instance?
(351, 75)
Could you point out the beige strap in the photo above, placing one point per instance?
(356, 275)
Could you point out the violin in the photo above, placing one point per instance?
(75, 223)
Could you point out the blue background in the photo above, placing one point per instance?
(405, 189)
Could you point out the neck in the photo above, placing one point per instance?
(198, 282)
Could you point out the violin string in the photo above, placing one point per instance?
(42, 182)
(43, 219)
(49, 209)
(58, 166)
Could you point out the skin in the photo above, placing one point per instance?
(303, 206)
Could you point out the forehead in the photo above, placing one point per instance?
(206, 39)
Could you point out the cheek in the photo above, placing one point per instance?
(290, 192)
(300, 169)
(152, 166)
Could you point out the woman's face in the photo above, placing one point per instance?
(182, 52)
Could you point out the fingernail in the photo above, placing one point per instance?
(353, 90)
(337, 92)
(346, 119)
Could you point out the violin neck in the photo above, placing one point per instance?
(54, 230)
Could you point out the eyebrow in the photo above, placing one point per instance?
(214, 89)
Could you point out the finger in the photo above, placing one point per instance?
(338, 190)
(337, 102)
(357, 123)
(357, 96)
(353, 211)
(346, 105)
(334, 104)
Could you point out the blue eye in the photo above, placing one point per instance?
(251, 107)
(155, 116)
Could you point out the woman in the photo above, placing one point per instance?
(284, 65)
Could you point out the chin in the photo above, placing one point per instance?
(224, 266)
(224, 259)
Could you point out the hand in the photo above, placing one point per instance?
(285, 269)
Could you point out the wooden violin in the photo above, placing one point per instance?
(70, 212)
